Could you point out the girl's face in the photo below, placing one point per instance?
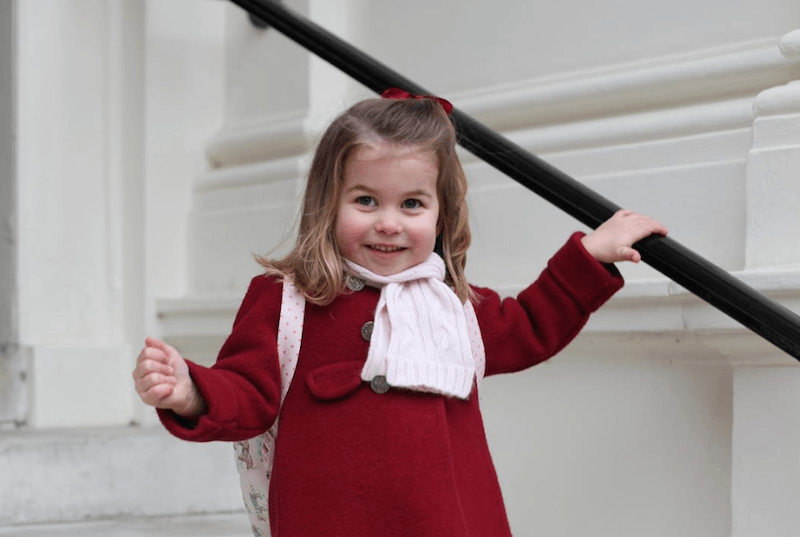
(389, 208)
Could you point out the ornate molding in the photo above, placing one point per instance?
(721, 75)
(782, 99)
(269, 171)
(711, 75)
(271, 137)
(622, 129)
(778, 100)
(790, 45)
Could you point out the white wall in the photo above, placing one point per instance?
(150, 171)
(481, 43)
(588, 447)
(766, 437)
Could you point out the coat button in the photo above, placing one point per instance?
(354, 283)
(366, 330)
(379, 384)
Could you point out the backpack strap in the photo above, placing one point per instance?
(290, 335)
(254, 457)
(290, 332)
(475, 341)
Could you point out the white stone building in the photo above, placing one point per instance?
(149, 147)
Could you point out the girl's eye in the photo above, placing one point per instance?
(412, 204)
(365, 200)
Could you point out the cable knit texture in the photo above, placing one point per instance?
(420, 340)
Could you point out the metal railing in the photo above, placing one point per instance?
(771, 320)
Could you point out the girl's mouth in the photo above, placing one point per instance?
(385, 248)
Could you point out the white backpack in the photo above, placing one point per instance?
(254, 457)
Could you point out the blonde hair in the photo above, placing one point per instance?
(315, 262)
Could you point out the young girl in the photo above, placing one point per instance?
(380, 431)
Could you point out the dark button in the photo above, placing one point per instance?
(366, 330)
(355, 284)
(379, 384)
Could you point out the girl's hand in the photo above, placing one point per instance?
(613, 240)
(162, 380)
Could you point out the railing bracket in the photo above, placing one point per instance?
(257, 21)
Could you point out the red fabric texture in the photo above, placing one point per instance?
(350, 462)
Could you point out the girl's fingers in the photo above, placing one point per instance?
(154, 343)
(147, 365)
(149, 373)
(654, 226)
(157, 393)
(154, 374)
(143, 384)
(629, 254)
(152, 392)
(151, 353)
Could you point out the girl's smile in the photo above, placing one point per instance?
(389, 208)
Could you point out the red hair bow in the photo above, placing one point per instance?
(397, 93)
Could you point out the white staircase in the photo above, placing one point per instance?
(121, 481)
(218, 525)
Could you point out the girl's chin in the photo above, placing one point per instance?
(386, 263)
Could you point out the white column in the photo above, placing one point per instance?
(766, 452)
(765, 477)
(13, 378)
(71, 299)
(8, 187)
(330, 90)
(773, 168)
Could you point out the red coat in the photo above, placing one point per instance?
(350, 462)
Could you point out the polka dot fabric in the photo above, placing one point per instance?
(290, 333)
(254, 457)
(475, 341)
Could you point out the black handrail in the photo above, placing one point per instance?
(760, 314)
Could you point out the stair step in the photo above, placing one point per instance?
(79, 475)
(216, 525)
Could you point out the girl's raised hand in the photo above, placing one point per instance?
(162, 380)
(612, 241)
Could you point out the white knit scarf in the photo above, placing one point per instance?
(420, 340)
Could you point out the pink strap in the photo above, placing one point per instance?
(475, 341)
(290, 332)
(254, 457)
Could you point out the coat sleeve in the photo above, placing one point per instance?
(242, 389)
(546, 316)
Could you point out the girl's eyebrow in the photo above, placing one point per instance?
(420, 192)
(360, 187)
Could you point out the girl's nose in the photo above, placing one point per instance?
(388, 223)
